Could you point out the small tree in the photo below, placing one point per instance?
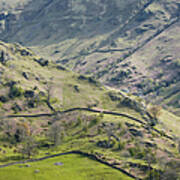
(9, 128)
(49, 95)
(29, 146)
(22, 131)
(55, 133)
(171, 171)
(150, 159)
(155, 111)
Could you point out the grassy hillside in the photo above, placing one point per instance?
(125, 44)
(123, 130)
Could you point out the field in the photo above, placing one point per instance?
(74, 167)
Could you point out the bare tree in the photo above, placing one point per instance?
(49, 95)
(110, 133)
(171, 171)
(55, 133)
(28, 147)
(155, 111)
(22, 132)
(150, 159)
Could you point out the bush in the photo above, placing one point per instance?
(79, 121)
(121, 145)
(15, 92)
(137, 152)
(29, 147)
(3, 99)
(132, 151)
(94, 121)
(155, 111)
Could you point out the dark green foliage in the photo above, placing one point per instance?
(15, 92)
(3, 99)
(121, 145)
(94, 121)
(121, 76)
(141, 153)
(114, 96)
(29, 94)
(106, 143)
(132, 151)
(79, 121)
(89, 79)
(16, 108)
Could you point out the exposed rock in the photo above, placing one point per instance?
(3, 99)
(37, 171)
(129, 124)
(114, 96)
(61, 68)
(76, 88)
(16, 108)
(11, 83)
(58, 164)
(29, 94)
(135, 132)
(2, 58)
(89, 79)
(150, 144)
(42, 61)
(24, 52)
(25, 75)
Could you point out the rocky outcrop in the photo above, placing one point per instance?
(4, 57)
(42, 61)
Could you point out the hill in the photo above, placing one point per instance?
(49, 111)
(129, 45)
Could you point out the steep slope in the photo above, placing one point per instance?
(124, 44)
(10, 11)
(39, 98)
(9, 5)
(61, 20)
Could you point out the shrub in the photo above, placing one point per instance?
(29, 147)
(3, 99)
(15, 92)
(94, 121)
(121, 145)
(56, 133)
(79, 121)
(155, 111)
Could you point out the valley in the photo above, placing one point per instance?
(90, 89)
